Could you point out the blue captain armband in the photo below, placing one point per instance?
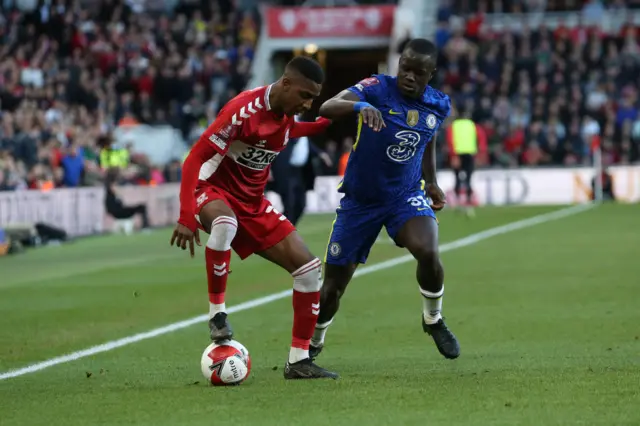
(358, 106)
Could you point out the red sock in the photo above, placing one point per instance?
(217, 273)
(306, 307)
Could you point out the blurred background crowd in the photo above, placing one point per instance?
(542, 94)
(71, 72)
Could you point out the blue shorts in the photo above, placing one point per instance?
(357, 225)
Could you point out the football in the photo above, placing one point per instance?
(226, 363)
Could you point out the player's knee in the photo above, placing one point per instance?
(330, 291)
(212, 210)
(336, 293)
(223, 231)
(427, 255)
(306, 279)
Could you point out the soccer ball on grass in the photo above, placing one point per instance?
(226, 363)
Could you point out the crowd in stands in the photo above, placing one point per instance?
(525, 6)
(333, 3)
(543, 96)
(71, 72)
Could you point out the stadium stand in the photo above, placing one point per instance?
(71, 72)
(527, 6)
(543, 95)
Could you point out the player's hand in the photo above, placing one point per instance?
(438, 199)
(183, 237)
(372, 117)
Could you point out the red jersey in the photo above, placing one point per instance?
(236, 151)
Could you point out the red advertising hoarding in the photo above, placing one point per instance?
(303, 22)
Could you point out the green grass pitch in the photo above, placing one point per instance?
(547, 318)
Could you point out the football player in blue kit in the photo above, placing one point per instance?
(398, 118)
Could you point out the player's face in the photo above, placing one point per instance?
(300, 94)
(414, 73)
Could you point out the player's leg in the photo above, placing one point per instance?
(130, 211)
(353, 233)
(217, 218)
(292, 254)
(416, 228)
(269, 234)
(141, 209)
(457, 188)
(336, 280)
(468, 166)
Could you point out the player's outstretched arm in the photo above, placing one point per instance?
(346, 103)
(301, 129)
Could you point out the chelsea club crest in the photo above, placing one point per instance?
(431, 121)
(335, 249)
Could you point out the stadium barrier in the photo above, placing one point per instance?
(81, 211)
(553, 186)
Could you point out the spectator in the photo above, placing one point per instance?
(116, 208)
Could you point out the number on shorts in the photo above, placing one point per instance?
(419, 201)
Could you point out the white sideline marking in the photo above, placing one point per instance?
(462, 242)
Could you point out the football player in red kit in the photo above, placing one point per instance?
(222, 192)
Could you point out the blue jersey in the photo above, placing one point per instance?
(382, 184)
(386, 165)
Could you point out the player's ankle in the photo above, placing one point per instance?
(319, 333)
(297, 354)
(430, 319)
(316, 343)
(216, 308)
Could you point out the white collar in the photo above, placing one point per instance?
(266, 97)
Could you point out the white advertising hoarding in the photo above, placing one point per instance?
(501, 187)
(81, 211)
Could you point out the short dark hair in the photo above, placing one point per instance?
(308, 68)
(104, 141)
(422, 46)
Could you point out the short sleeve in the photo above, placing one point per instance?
(367, 90)
(446, 106)
(223, 131)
